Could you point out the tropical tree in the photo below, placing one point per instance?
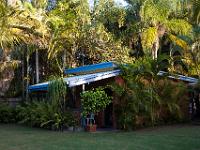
(195, 46)
(144, 95)
(158, 19)
(195, 10)
(22, 25)
(190, 11)
(152, 20)
(63, 28)
(98, 39)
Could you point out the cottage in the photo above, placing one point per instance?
(92, 76)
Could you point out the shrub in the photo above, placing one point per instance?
(94, 101)
(145, 98)
(50, 113)
(7, 113)
(43, 114)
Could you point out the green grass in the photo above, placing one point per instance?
(184, 137)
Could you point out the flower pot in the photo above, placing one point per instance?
(91, 128)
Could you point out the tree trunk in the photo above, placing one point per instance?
(23, 74)
(37, 65)
(155, 49)
(27, 71)
(64, 59)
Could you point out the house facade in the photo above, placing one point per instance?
(102, 74)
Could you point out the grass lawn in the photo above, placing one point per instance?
(179, 137)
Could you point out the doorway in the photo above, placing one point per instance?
(108, 116)
(195, 104)
(108, 111)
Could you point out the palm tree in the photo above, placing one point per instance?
(63, 25)
(157, 18)
(195, 10)
(148, 21)
(21, 25)
(191, 11)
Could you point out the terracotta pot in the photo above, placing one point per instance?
(91, 128)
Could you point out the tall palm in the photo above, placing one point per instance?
(62, 21)
(157, 18)
(191, 11)
(195, 10)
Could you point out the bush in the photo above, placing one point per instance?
(146, 99)
(94, 101)
(50, 113)
(44, 115)
(7, 113)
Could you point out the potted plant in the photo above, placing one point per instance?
(93, 101)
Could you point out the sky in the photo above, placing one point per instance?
(121, 2)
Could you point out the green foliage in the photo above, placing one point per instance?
(43, 114)
(148, 38)
(22, 23)
(50, 113)
(137, 96)
(157, 19)
(145, 98)
(173, 104)
(104, 31)
(154, 11)
(94, 101)
(62, 21)
(195, 11)
(57, 91)
(7, 113)
(179, 26)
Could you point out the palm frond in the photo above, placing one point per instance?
(179, 26)
(178, 41)
(19, 23)
(196, 11)
(148, 37)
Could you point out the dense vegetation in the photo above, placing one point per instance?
(146, 99)
(49, 113)
(39, 39)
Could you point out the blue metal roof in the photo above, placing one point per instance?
(38, 87)
(102, 71)
(77, 80)
(178, 77)
(105, 66)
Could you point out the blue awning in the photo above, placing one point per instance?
(100, 67)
